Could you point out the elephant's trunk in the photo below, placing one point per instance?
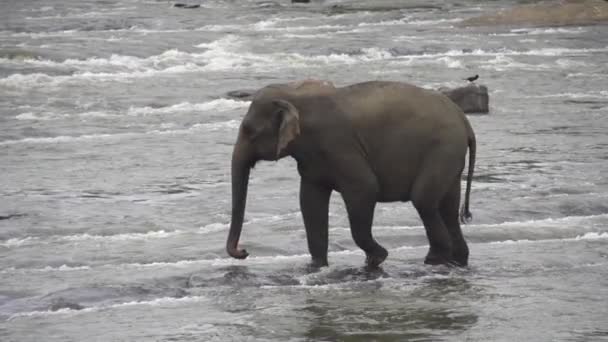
(241, 165)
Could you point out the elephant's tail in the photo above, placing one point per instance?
(465, 213)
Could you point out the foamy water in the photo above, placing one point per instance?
(116, 140)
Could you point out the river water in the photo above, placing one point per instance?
(115, 190)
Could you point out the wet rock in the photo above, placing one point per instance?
(61, 303)
(472, 98)
(181, 5)
(10, 216)
(300, 1)
(547, 13)
(241, 94)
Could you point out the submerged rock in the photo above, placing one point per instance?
(472, 98)
(241, 94)
(18, 54)
(11, 216)
(546, 13)
(181, 5)
(61, 303)
(383, 6)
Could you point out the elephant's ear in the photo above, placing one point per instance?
(290, 124)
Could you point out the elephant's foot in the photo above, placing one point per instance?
(460, 260)
(374, 260)
(318, 263)
(435, 258)
(460, 256)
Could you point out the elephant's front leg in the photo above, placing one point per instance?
(360, 205)
(314, 203)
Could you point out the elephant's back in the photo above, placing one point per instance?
(400, 125)
(373, 91)
(400, 107)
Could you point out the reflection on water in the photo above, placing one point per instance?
(348, 303)
(410, 313)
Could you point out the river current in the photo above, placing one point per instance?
(115, 147)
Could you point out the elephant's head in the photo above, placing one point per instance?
(271, 123)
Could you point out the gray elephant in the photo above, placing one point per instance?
(371, 142)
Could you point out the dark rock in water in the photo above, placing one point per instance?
(17, 54)
(591, 104)
(472, 98)
(61, 303)
(300, 1)
(10, 216)
(244, 94)
(180, 5)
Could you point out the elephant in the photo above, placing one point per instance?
(376, 141)
(304, 85)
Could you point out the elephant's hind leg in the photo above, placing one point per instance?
(427, 194)
(314, 203)
(440, 250)
(449, 212)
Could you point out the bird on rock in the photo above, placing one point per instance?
(472, 78)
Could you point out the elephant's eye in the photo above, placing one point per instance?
(249, 131)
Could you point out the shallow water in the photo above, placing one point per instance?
(115, 192)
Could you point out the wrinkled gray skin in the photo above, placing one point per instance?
(371, 142)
